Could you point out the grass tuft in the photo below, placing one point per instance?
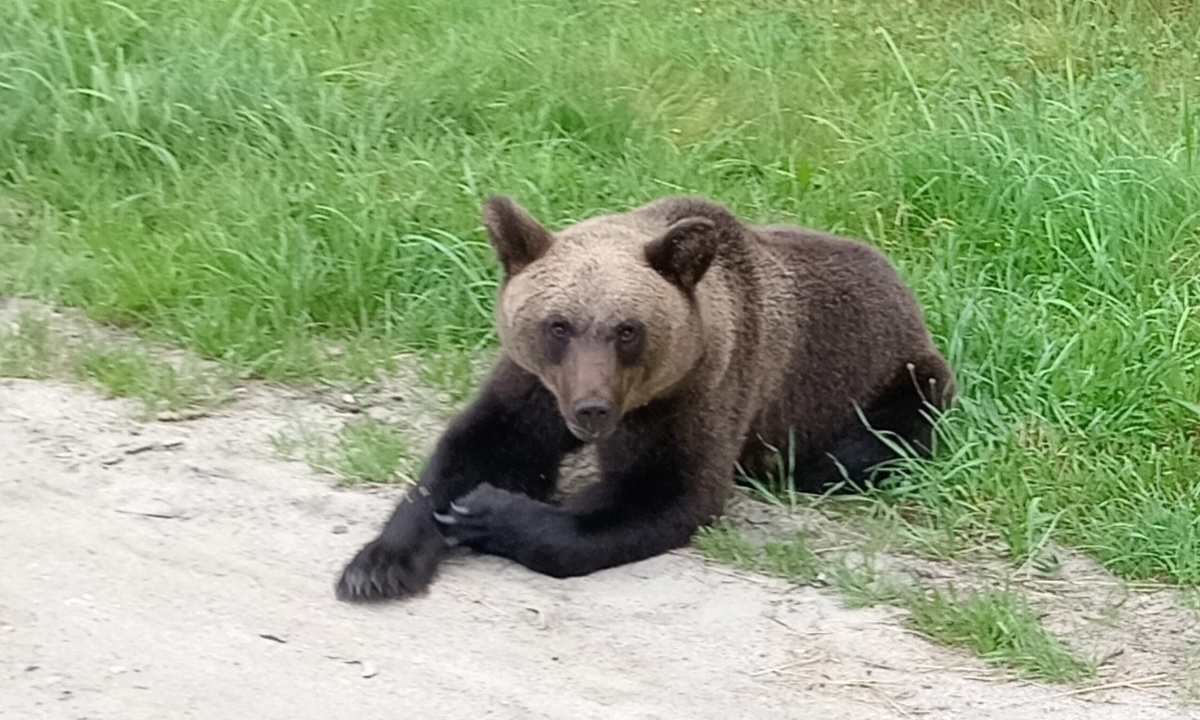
(363, 451)
(1000, 628)
(793, 559)
(369, 451)
(25, 348)
(160, 385)
(996, 625)
(32, 346)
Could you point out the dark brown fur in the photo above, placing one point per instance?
(681, 342)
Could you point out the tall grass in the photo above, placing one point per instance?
(256, 179)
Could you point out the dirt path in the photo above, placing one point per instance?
(181, 571)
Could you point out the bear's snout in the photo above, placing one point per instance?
(595, 418)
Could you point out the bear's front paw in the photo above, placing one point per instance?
(479, 518)
(385, 568)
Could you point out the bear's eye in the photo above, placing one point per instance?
(626, 333)
(560, 329)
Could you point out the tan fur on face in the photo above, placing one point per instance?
(595, 275)
(589, 370)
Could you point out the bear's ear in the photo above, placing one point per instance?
(517, 238)
(683, 253)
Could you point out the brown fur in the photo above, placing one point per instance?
(787, 334)
(680, 341)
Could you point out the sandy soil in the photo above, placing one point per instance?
(181, 570)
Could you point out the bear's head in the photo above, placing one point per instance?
(603, 312)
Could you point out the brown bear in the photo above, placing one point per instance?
(681, 342)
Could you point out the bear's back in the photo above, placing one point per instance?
(845, 316)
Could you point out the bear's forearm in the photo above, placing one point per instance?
(511, 436)
(564, 542)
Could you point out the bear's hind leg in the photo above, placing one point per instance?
(511, 436)
(905, 411)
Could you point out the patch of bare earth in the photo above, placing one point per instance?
(1144, 637)
(182, 570)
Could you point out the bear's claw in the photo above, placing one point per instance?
(383, 570)
(474, 518)
(451, 518)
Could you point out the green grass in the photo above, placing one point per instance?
(1000, 628)
(791, 559)
(997, 626)
(26, 350)
(130, 371)
(261, 180)
(451, 372)
(31, 348)
(363, 451)
(373, 452)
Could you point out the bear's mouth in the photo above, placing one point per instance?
(591, 435)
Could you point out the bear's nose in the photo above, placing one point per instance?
(593, 415)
